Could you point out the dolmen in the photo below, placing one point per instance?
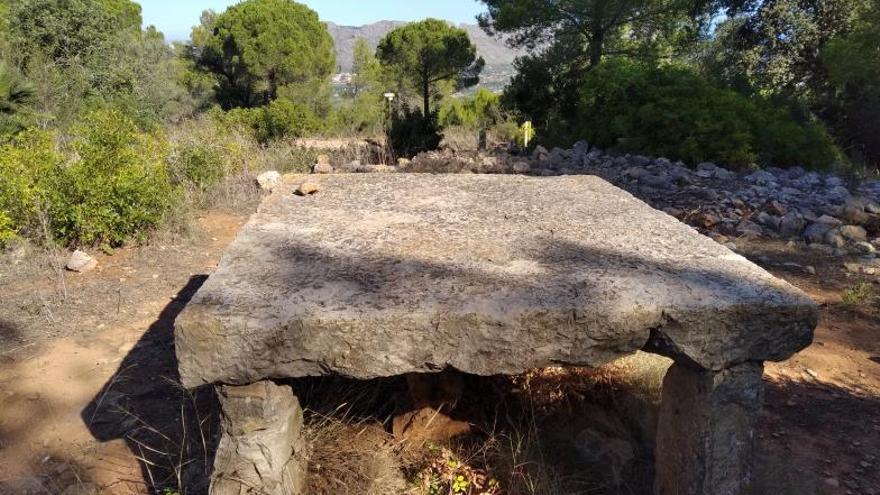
(378, 275)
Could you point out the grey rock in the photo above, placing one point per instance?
(829, 221)
(521, 167)
(658, 181)
(749, 229)
(761, 178)
(816, 232)
(386, 274)
(792, 224)
(81, 262)
(834, 239)
(768, 220)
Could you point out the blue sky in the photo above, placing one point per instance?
(176, 17)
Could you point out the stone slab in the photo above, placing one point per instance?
(385, 274)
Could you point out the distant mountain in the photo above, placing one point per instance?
(493, 50)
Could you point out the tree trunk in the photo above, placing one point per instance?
(597, 46)
(426, 94)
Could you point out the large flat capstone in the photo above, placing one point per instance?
(385, 274)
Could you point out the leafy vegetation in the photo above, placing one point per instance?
(673, 112)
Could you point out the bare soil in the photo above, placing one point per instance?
(88, 394)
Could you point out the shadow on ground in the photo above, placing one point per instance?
(170, 430)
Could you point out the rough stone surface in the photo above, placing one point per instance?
(386, 274)
(81, 262)
(267, 181)
(775, 202)
(261, 448)
(705, 432)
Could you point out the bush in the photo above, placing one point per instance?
(479, 111)
(280, 119)
(119, 188)
(30, 168)
(675, 113)
(411, 133)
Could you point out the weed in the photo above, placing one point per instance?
(862, 293)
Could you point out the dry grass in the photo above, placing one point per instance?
(524, 440)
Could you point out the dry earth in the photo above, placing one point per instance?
(87, 370)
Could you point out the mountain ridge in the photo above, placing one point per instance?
(493, 49)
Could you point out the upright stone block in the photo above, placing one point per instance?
(705, 434)
(261, 450)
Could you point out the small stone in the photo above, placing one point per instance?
(268, 181)
(81, 262)
(522, 167)
(854, 233)
(323, 166)
(307, 188)
(865, 247)
(829, 220)
(776, 208)
(810, 269)
(835, 239)
(832, 482)
(816, 232)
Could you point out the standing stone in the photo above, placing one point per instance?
(261, 450)
(706, 430)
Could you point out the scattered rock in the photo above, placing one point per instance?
(323, 166)
(854, 233)
(81, 262)
(307, 188)
(522, 167)
(816, 232)
(835, 239)
(268, 181)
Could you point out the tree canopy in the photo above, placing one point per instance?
(258, 47)
(598, 27)
(428, 54)
(67, 30)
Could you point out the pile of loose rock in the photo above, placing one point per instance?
(821, 210)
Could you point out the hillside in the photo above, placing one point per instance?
(493, 50)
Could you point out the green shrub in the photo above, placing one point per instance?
(199, 164)
(411, 133)
(119, 188)
(30, 168)
(280, 119)
(674, 112)
(7, 230)
(479, 111)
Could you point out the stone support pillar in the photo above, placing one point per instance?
(261, 448)
(705, 434)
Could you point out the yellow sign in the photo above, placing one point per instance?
(528, 133)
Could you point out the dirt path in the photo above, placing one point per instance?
(48, 426)
(78, 407)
